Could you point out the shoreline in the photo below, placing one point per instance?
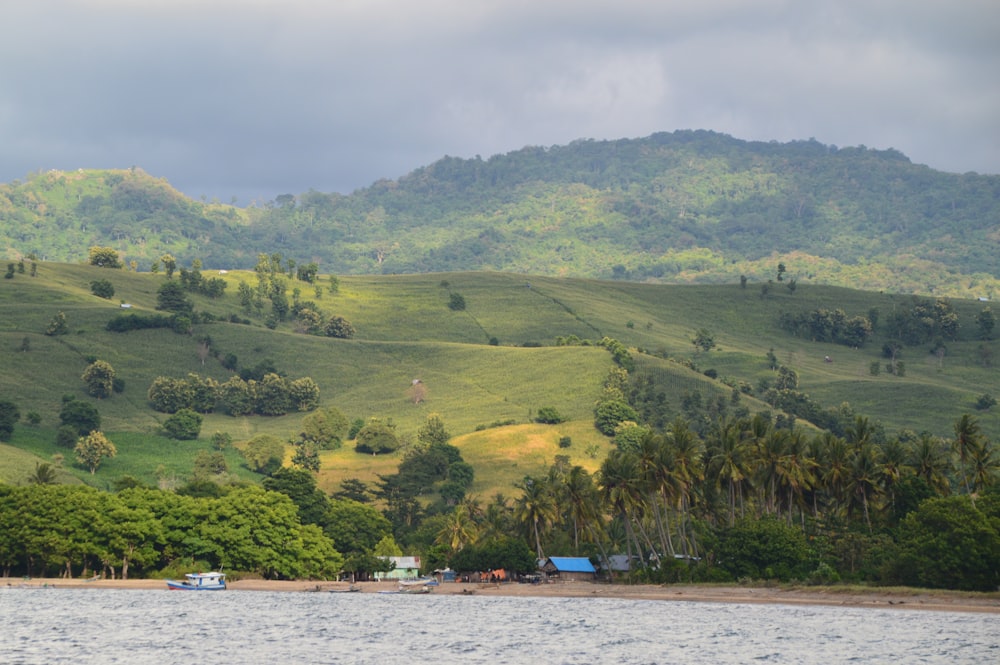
(901, 599)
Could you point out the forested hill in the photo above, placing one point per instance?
(687, 206)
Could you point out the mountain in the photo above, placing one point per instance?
(681, 207)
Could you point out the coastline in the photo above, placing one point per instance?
(901, 599)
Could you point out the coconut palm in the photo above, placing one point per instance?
(729, 463)
(929, 459)
(984, 465)
(968, 438)
(536, 509)
(863, 484)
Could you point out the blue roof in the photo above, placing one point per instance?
(572, 564)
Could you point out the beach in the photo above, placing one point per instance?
(901, 599)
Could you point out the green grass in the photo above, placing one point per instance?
(406, 331)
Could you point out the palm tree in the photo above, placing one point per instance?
(835, 463)
(728, 462)
(44, 474)
(770, 451)
(863, 484)
(795, 472)
(929, 460)
(459, 530)
(686, 456)
(582, 503)
(968, 438)
(619, 487)
(892, 468)
(535, 509)
(985, 464)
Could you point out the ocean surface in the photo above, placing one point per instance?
(48, 626)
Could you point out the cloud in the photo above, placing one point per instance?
(254, 98)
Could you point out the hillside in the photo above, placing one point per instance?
(486, 369)
(681, 207)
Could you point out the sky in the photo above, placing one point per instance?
(243, 100)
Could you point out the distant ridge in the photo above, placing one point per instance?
(677, 207)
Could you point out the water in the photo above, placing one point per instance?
(160, 627)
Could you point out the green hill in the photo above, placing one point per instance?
(681, 207)
(486, 370)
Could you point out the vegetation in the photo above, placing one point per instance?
(681, 207)
(675, 453)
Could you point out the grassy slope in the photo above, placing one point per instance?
(406, 331)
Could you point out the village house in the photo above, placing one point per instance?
(569, 569)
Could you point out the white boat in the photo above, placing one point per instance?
(414, 586)
(199, 582)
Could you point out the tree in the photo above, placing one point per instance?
(171, 298)
(264, 454)
(183, 425)
(92, 449)
(608, 414)
(986, 321)
(949, 543)
(304, 394)
(339, 327)
(433, 431)
(324, 428)
(102, 288)
(308, 272)
(100, 379)
(456, 302)
(44, 474)
(377, 437)
(762, 549)
(536, 509)
(703, 340)
(355, 527)
(81, 416)
(58, 325)
(169, 265)
(9, 415)
(105, 257)
(300, 487)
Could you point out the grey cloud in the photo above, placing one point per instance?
(257, 98)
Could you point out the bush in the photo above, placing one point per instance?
(548, 415)
(183, 425)
(456, 302)
(102, 288)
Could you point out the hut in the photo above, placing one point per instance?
(569, 569)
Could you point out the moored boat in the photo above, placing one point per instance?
(199, 582)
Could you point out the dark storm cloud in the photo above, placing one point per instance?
(256, 98)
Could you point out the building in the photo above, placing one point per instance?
(569, 569)
(407, 568)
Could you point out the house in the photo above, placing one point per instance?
(569, 569)
(407, 568)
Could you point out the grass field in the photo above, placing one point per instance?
(406, 331)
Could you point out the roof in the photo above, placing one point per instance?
(404, 562)
(572, 564)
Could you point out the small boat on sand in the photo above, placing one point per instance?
(199, 582)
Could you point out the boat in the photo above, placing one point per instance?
(199, 582)
(419, 586)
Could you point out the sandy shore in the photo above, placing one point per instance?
(903, 599)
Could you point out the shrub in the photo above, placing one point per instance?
(183, 425)
(549, 416)
(102, 288)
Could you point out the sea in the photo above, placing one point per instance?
(49, 626)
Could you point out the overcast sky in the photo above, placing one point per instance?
(255, 98)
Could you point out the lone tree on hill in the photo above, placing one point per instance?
(92, 449)
(105, 257)
(100, 379)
